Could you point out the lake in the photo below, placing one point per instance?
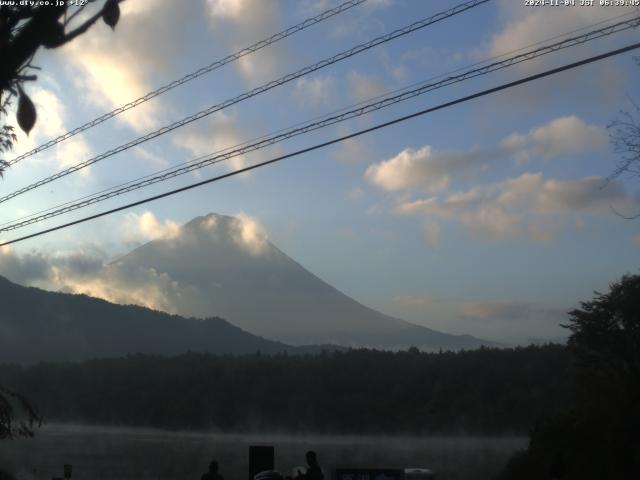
(141, 454)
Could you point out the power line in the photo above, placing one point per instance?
(387, 94)
(256, 91)
(267, 140)
(363, 108)
(193, 75)
(379, 126)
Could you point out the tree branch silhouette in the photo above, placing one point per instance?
(23, 30)
(624, 136)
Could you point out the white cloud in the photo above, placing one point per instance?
(108, 83)
(50, 111)
(403, 67)
(218, 133)
(84, 271)
(228, 9)
(525, 26)
(49, 122)
(145, 227)
(521, 322)
(249, 234)
(411, 169)
(475, 310)
(432, 171)
(562, 136)
(492, 309)
(380, 4)
(26, 269)
(112, 68)
(118, 284)
(240, 23)
(414, 300)
(240, 231)
(149, 156)
(87, 270)
(359, 22)
(73, 151)
(528, 26)
(525, 206)
(314, 92)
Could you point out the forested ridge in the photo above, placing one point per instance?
(483, 391)
(38, 325)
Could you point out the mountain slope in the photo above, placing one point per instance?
(223, 266)
(36, 325)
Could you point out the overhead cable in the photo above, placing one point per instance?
(286, 134)
(193, 75)
(256, 91)
(467, 98)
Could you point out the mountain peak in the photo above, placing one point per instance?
(241, 232)
(210, 219)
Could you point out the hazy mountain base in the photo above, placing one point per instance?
(108, 453)
(36, 325)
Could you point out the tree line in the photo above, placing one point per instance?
(485, 391)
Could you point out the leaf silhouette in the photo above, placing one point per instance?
(53, 37)
(111, 13)
(26, 113)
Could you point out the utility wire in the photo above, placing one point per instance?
(443, 75)
(256, 91)
(286, 134)
(379, 126)
(388, 93)
(193, 75)
(119, 189)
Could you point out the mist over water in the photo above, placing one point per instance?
(127, 453)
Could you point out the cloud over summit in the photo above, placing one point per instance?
(89, 271)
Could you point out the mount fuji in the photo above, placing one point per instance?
(225, 267)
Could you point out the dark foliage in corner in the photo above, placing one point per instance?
(24, 28)
(596, 436)
(18, 417)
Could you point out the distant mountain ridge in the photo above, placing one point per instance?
(224, 267)
(36, 325)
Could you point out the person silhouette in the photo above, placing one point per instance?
(212, 474)
(558, 468)
(314, 472)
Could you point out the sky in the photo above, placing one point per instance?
(493, 217)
